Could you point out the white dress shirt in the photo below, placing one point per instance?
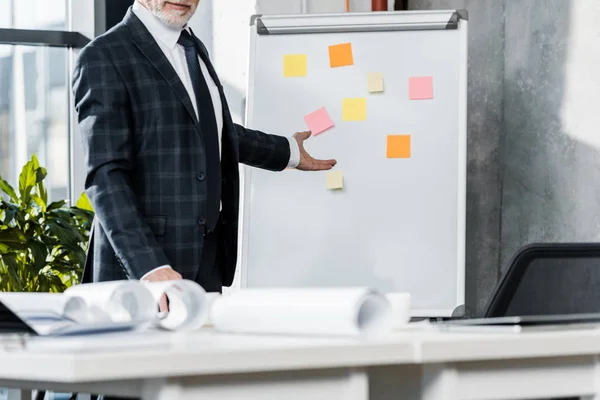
(167, 37)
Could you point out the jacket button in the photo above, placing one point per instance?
(201, 221)
(201, 177)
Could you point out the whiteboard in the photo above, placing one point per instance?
(398, 225)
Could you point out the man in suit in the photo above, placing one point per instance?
(162, 152)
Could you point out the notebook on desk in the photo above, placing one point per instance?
(44, 325)
(525, 323)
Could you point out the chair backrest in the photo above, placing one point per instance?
(550, 278)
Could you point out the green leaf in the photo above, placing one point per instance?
(56, 205)
(43, 193)
(42, 284)
(58, 252)
(61, 214)
(49, 241)
(79, 257)
(84, 203)
(27, 179)
(13, 238)
(55, 283)
(64, 235)
(11, 263)
(3, 279)
(39, 251)
(40, 174)
(39, 201)
(10, 213)
(35, 162)
(4, 249)
(85, 215)
(6, 188)
(63, 267)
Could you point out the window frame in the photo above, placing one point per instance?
(38, 37)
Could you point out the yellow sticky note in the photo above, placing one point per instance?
(335, 180)
(354, 109)
(398, 146)
(294, 65)
(375, 82)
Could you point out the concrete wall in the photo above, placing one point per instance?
(534, 120)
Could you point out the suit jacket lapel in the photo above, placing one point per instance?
(150, 49)
(209, 66)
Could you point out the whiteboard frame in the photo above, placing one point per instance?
(365, 22)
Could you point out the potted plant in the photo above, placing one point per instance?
(42, 246)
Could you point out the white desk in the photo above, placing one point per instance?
(427, 365)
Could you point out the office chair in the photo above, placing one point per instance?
(551, 278)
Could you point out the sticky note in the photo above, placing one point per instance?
(398, 146)
(340, 55)
(420, 88)
(335, 180)
(375, 82)
(294, 65)
(318, 121)
(354, 109)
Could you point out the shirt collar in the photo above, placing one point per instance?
(158, 29)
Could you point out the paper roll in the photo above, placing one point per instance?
(116, 301)
(401, 303)
(189, 306)
(304, 311)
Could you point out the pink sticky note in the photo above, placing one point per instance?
(420, 88)
(318, 121)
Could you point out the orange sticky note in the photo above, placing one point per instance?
(398, 146)
(420, 88)
(340, 55)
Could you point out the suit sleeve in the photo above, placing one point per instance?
(101, 102)
(261, 150)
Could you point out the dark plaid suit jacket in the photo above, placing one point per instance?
(145, 160)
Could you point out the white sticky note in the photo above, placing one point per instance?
(375, 82)
(335, 180)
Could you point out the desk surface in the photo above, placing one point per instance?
(160, 354)
(136, 356)
(453, 347)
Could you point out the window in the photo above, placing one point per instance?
(35, 90)
(34, 14)
(34, 118)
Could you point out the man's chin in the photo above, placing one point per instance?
(174, 21)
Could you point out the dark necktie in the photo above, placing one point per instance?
(208, 124)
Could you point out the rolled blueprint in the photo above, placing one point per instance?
(46, 305)
(117, 301)
(189, 305)
(304, 311)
